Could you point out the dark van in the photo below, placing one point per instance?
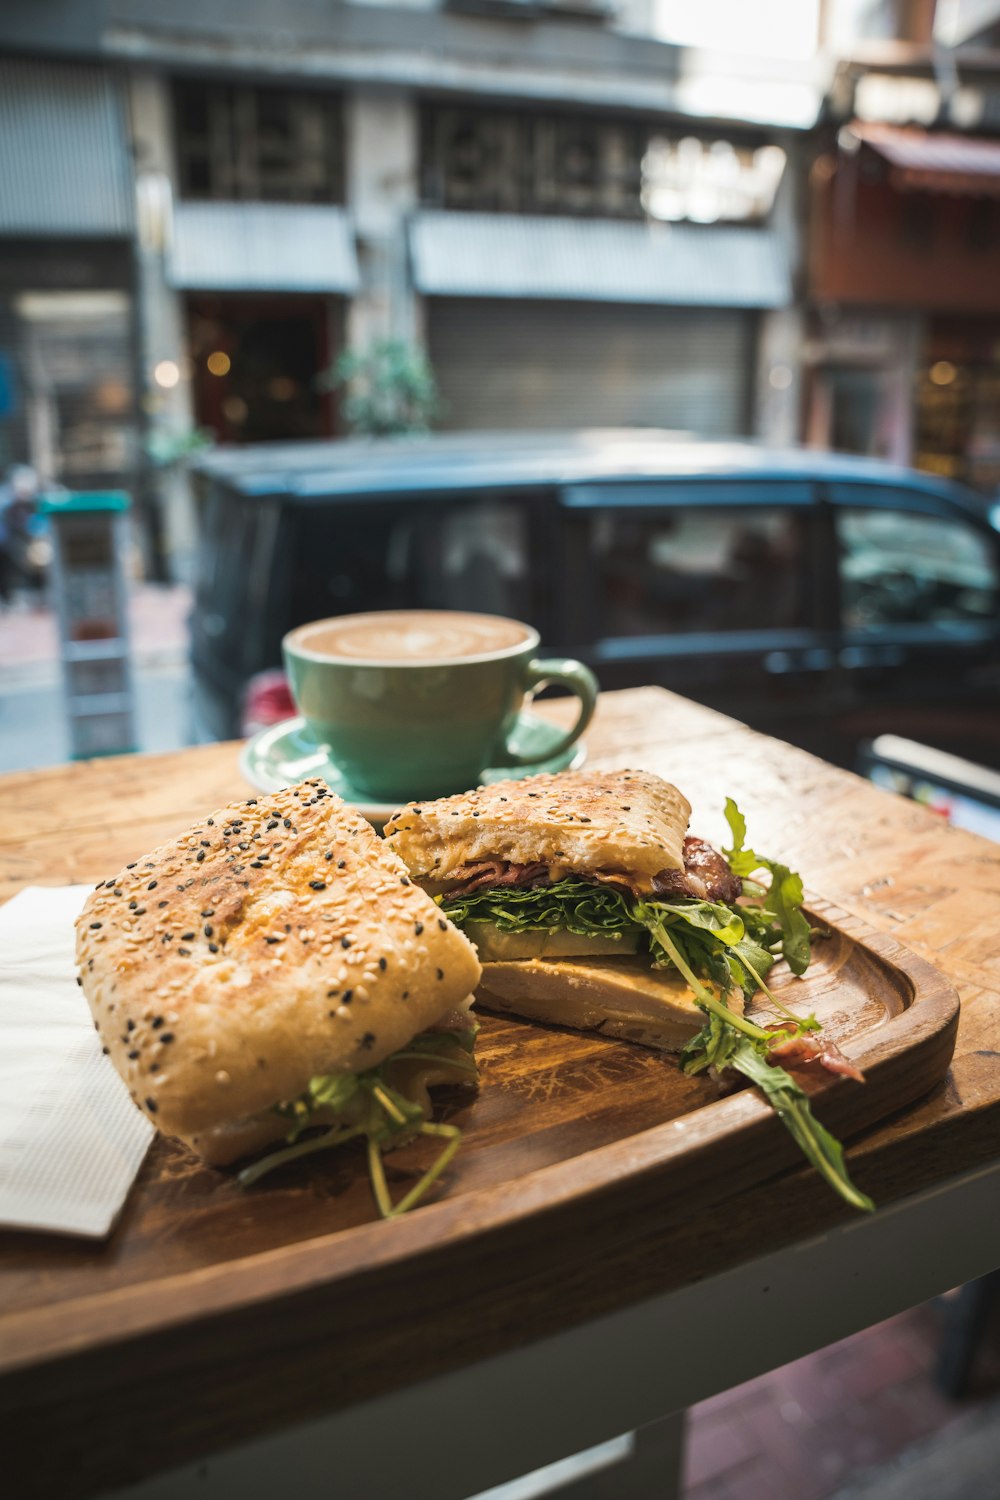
(822, 598)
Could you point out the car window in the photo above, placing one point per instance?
(470, 555)
(897, 567)
(681, 570)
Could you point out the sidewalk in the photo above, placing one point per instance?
(158, 615)
(33, 730)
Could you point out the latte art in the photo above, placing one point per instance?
(399, 637)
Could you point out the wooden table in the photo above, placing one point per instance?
(467, 1368)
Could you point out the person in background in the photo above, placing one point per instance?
(23, 549)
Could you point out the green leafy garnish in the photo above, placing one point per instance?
(369, 1107)
(720, 1046)
(709, 942)
(782, 900)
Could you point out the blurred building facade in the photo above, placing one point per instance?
(202, 206)
(581, 225)
(903, 285)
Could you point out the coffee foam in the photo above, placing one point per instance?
(410, 636)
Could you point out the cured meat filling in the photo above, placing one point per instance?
(706, 876)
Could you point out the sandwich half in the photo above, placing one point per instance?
(592, 906)
(273, 969)
(589, 903)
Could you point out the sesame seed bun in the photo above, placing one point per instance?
(583, 820)
(275, 940)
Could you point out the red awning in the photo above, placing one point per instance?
(923, 161)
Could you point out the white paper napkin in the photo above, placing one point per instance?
(71, 1140)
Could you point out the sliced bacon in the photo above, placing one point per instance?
(706, 875)
(803, 1050)
(497, 872)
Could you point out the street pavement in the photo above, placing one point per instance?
(33, 726)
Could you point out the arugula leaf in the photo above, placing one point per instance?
(783, 899)
(791, 1105)
(368, 1106)
(718, 1045)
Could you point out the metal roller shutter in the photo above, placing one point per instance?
(505, 364)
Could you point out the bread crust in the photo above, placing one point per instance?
(582, 820)
(619, 997)
(274, 940)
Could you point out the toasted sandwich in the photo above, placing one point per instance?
(588, 901)
(273, 970)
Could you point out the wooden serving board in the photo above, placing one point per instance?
(560, 1116)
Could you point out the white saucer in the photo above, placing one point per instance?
(286, 753)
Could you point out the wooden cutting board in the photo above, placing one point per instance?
(560, 1119)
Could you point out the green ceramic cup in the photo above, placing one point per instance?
(417, 703)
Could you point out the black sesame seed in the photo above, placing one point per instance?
(211, 822)
(205, 844)
(255, 864)
(133, 904)
(347, 997)
(418, 928)
(167, 937)
(184, 952)
(167, 1037)
(272, 940)
(140, 911)
(440, 973)
(341, 864)
(129, 1025)
(213, 947)
(199, 856)
(345, 942)
(208, 930)
(328, 855)
(133, 1054)
(94, 926)
(162, 904)
(368, 1040)
(157, 1022)
(151, 886)
(105, 1051)
(117, 891)
(404, 880)
(442, 924)
(209, 911)
(151, 1105)
(79, 980)
(382, 964)
(273, 823)
(132, 865)
(406, 994)
(287, 822)
(317, 885)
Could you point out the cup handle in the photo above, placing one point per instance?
(567, 673)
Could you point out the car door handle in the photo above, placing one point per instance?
(812, 659)
(872, 656)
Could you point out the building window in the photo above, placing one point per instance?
(495, 161)
(266, 145)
